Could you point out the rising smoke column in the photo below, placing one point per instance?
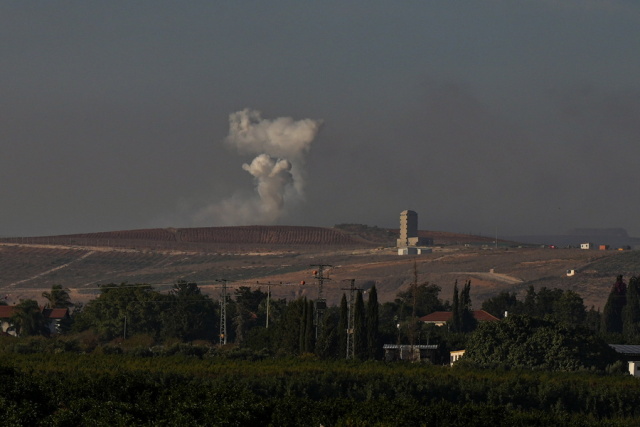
(280, 146)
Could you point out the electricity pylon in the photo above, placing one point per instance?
(223, 312)
(351, 319)
(321, 302)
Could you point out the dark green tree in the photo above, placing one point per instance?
(359, 328)
(546, 300)
(504, 302)
(455, 323)
(188, 314)
(343, 323)
(327, 343)
(289, 327)
(631, 312)
(123, 310)
(302, 327)
(529, 342)
(58, 297)
(427, 301)
(612, 313)
(529, 307)
(310, 330)
(593, 319)
(388, 321)
(27, 318)
(467, 321)
(373, 334)
(247, 316)
(569, 308)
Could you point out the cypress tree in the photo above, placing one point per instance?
(310, 333)
(529, 306)
(455, 322)
(302, 327)
(289, 328)
(373, 334)
(467, 321)
(327, 343)
(343, 323)
(612, 313)
(359, 328)
(631, 311)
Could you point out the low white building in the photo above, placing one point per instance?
(454, 356)
(630, 354)
(414, 250)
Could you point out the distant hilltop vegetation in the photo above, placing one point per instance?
(195, 237)
(346, 235)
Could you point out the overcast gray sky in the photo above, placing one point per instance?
(518, 115)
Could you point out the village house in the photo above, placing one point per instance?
(631, 355)
(53, 318)
(440, 318)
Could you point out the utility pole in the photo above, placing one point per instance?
(321, 302)
(351, 350)
(269, 285)
(223, 312)
(414, 297)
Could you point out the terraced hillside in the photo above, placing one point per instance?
(244, 256)
(207, 238)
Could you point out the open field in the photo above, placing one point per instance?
(245, 256)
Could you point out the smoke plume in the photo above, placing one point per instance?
(280, 146)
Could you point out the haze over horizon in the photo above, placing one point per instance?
(518, 116)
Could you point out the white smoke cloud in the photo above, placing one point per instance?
(278, 169)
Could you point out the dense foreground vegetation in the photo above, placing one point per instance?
(217, 388)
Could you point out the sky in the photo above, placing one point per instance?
(484, 117)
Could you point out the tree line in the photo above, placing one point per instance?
(185, 314)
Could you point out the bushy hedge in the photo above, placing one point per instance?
(121, 389)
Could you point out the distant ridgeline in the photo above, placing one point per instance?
(609, 232)
(614, 237)
(192, 237)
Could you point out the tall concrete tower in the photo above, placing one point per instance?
(408, 229)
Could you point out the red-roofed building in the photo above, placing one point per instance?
(439, 318)
(52, 316)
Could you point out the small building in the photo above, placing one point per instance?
(411, 353)
(53, 318)
(586, 245)
(603, 247)
(439, 318)
(454, 356)
(414, 251)
(629, 354)
(6, 311)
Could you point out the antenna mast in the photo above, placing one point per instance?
(321, 302)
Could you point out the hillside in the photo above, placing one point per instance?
(246, 255)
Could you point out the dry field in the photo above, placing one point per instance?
(286, 256)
